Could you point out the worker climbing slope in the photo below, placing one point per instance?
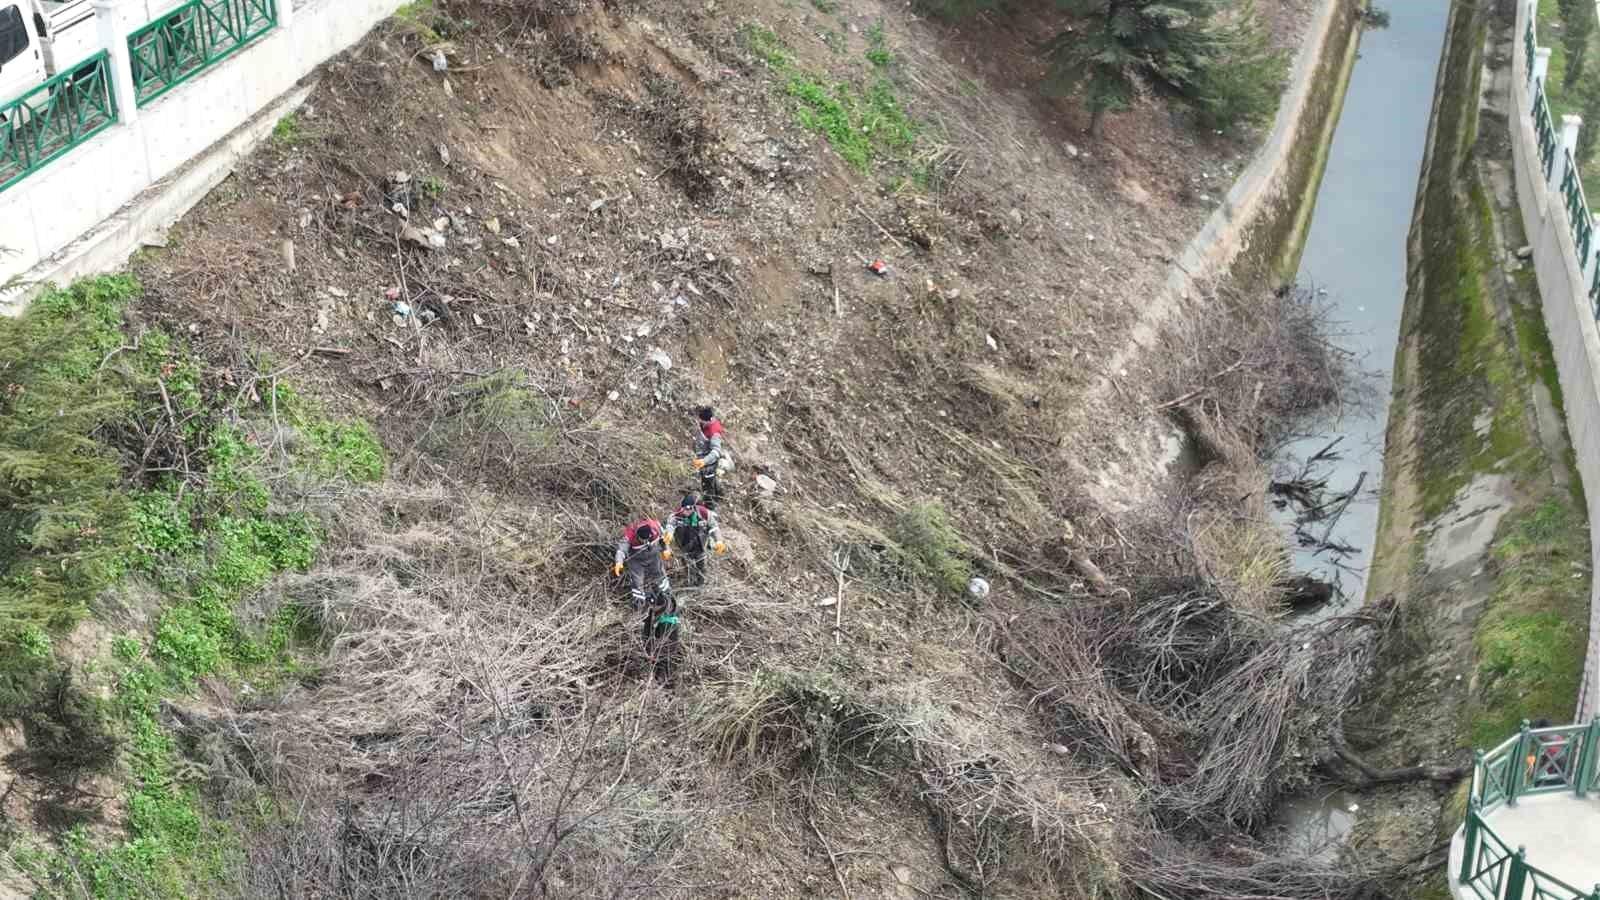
(711, 457)
(693, 528)
(642, 555)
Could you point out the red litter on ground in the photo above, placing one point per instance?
(392, 293)
(879, 267)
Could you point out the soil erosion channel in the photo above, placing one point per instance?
(1355, 251)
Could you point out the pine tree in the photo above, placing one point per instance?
(1589, 134)
(1189, 47)
(1580, 25)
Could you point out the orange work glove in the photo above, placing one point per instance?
(666, 555)
(698, 464)
(617, 570)
(720, 547)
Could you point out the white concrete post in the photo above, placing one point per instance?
(285, 13)
(116, 44)
(1541, 65)
(1566, 143)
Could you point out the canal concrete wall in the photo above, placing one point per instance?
(1257, 230)
(1568, 316)
(90, 209)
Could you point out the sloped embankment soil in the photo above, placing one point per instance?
(523, 271)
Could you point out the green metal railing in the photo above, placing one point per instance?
(1531, 45)
(54, 117)
(1577, 205)
(1535, 761)
(1594, 288)
(1545, 127)
(198, 34)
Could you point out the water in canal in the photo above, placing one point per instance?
(1355, 252)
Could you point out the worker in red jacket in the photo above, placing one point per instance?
(710, 456)
(642, 555)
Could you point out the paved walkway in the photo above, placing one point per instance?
(1561, 832)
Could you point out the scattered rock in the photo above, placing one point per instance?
(286, 250)
(492, 225)
(673, 241)
(1525, 251)
(426, 238)
(660, 358)
(766, 485)
(828, 601)
(397, 192)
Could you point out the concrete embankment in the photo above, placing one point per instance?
(1483, 537)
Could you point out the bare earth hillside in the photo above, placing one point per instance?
(523, 239)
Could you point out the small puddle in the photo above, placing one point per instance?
(1315, 825)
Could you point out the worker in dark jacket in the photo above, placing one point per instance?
(693, 529)
(710, 456)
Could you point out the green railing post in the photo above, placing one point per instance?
(1586, 757)
(1514, 765)
(1480, 775)
(1589, 776)
(1469, 846)
(1517, 878)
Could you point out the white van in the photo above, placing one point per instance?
(41, 38)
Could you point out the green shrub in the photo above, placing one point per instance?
(933, 547)
(287, 132)
(62, 517)
(878, 47)
(1245, 89)
(860, 125)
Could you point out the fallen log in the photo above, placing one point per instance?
(1372, 776)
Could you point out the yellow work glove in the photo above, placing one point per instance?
(617, 570)
(667, 539)
(666, 555)
(720, 547)
(698, 464)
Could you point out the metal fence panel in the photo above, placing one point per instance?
(198, 34)
(55, 117)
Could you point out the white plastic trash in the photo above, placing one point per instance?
(978, 587)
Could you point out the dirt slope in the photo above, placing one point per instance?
(629, 216)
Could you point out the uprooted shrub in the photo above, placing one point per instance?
(1243, 374)
(797, 719)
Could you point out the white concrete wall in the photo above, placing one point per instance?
(1570, 321)
(44, 214)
